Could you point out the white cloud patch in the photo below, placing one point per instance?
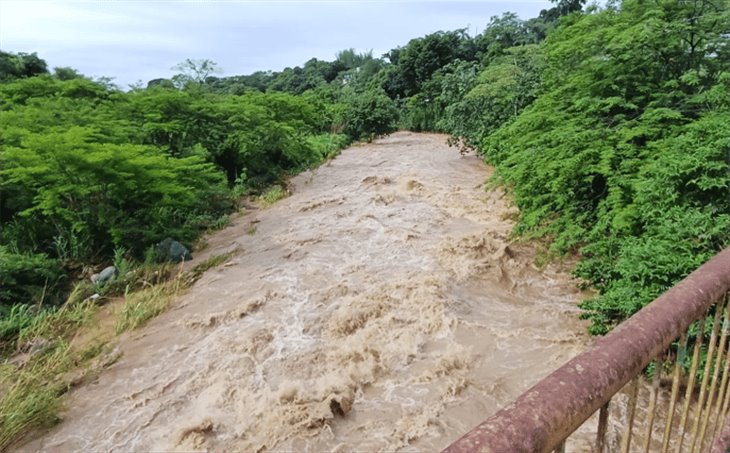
(141, 40)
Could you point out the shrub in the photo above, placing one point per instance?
(27, 278)
(369, 114)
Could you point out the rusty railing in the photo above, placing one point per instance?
(682, 336)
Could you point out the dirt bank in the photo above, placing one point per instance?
(380, 307)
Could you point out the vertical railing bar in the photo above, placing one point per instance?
(718, 415)
(602, 427)
(722, 309)
(656, 380)
(694, 364)
(726, 402)
(681, 351)
(633, 394)
(723, 384)
(711, 346)
(556, 406)
(561, 447)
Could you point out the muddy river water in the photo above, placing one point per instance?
(381, 307)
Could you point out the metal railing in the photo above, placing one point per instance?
(682, 335)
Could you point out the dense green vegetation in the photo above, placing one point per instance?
(92, 175)
(87, 169)
(623, 155)
(609, 125)
(613, 134)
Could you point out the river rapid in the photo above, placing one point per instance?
(383, 306)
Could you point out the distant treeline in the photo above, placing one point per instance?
(610, 126)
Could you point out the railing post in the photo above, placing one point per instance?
(602, 427)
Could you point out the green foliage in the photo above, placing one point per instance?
(502, 33)
(87, 171)
(31, 397)
(370, 114)
(13, 319)
(121, 263)
(150, 300)
(20, 65)
(194, 72)
(66, 73)
(107, 194)
(429, 109)
(349, 68)
(622, 156)
(32, 393)
(608, 125)
(255, 136)
(26, 278)
(326, 146)
(415, 63)
(272, 195)
(496, 95)
(141, 306)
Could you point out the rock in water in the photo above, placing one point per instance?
(105, 276)
(173, 251)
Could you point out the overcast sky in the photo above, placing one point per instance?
(133, 40)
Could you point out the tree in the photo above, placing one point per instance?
(369, 114)
(165, 83)
(415, 63)
(565, 7)
(66, 73)
(194, 71)
(623, 155)
(21, 65)
(502, 33)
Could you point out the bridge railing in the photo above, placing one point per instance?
(682, 337)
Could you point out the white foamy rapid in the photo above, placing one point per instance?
(381, 307)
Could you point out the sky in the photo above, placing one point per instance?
(140, 40)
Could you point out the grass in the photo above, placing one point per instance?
(220, 223)
(327, 146)
(272, 195)
(31, 391)
(141, 306)
(55, 325)
(31, 396)
(213, 261)
(12, 321)
(32, 388)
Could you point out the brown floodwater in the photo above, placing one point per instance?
(381, 307)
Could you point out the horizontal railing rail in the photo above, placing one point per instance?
(543, 417)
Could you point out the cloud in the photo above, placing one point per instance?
(133, 40)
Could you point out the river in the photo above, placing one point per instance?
(383, 306)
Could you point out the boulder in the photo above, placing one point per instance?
(173, 251)
(105, 276)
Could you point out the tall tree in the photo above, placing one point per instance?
(196, 71)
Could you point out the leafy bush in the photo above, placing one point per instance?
(477, 104)
(326, 146)
(26, 278)
(86, 169)
(110, 195)
(369, 114)
(623, 156)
